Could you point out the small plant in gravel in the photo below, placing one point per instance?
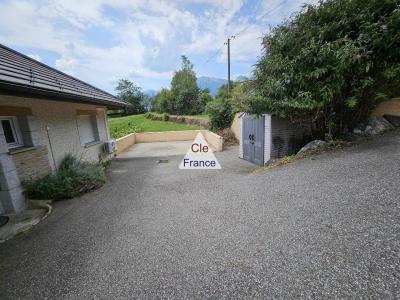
(73, 178)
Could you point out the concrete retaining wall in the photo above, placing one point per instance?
(235, 127)
(214, 140)
(390, 107)
(125, 142)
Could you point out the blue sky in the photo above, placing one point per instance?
(99, 41)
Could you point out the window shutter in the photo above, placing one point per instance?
(87, 129)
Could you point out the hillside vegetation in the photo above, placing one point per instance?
(330, 64)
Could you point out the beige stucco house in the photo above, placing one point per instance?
(44, 115)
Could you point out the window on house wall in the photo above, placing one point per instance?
(87, 127)
(12, 132)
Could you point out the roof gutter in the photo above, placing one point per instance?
(29, 91)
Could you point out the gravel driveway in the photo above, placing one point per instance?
(327, 227)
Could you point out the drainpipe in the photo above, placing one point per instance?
(106, 126)
(51, 147)
(106, 123)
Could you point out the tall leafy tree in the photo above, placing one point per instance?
(330, 64)
(148, 102)
(132, 94)
(164, 101)
(184, 88)
(204, 98)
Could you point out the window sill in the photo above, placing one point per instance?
(20, 149)
(88, 145)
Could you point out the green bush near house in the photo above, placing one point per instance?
(220, 113)
(73, 178)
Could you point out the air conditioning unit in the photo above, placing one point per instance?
(110, 146)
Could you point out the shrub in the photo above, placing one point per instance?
(180, 119)
(123, 127)
(148, 115)
(330, 64)
(165, 117)
(72, 179)
(221, 114)
(156, 117)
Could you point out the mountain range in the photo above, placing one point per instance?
(204, 82)
(210, 83)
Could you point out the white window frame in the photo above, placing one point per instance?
(16, 131)
(94, 122)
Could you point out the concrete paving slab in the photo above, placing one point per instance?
(157, 149)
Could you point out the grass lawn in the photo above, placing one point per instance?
(122, 126)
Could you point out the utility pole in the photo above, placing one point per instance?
(228, 43)
(229, 65)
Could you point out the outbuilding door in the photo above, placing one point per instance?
(253, 139)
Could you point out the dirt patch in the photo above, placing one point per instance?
(229, 137)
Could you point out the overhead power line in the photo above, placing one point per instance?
(261, 17)
(241, 32)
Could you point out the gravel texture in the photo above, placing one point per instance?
(322, 227)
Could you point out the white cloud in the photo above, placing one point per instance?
(100, 40)
(23, 24)
(274, 11)
(66, 64)
(35, 57)
(78, 13)
(223, 23)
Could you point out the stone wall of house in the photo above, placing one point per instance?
(32, 163)
(49, 131)
(56, 125)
